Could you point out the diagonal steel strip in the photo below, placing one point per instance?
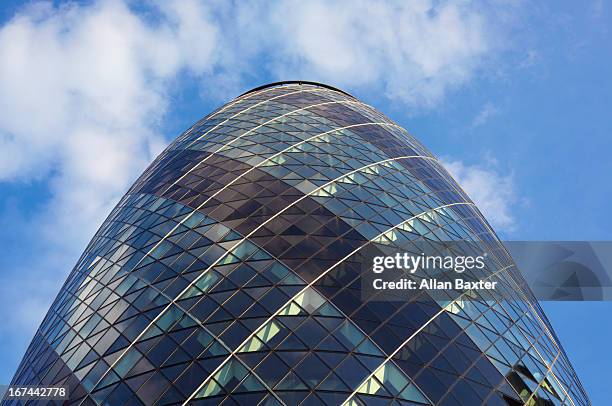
(224, 146)
(314, 90)
(398, 349)
(250, 95)
(305, 288)
(228, 349)
(220, 190)
(238, 243)
(544, 325)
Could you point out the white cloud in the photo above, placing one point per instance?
(493, 192)
(488, 110)
(597, 9)
(410, 51)
(81, 90)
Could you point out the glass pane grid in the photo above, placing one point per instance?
(228, 275)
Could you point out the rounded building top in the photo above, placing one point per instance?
(295, 82)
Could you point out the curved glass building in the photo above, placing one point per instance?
(230, 274)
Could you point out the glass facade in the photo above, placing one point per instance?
(229, 274)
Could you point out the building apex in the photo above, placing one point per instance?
(295, 82)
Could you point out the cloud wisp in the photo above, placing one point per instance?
(488, 110)
(413, 52)
(493, 192)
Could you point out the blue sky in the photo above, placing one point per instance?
(514, 97)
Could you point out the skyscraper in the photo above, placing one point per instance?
(229, 274)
